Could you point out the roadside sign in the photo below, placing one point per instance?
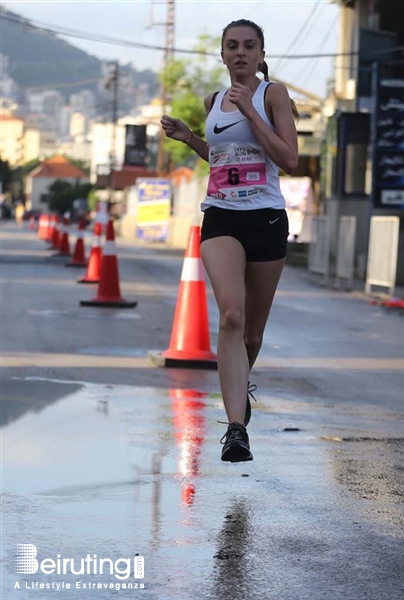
(154, 207)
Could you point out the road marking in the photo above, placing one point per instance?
(25, 359)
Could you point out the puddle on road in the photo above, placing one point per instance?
(123, 470)
(103, 469)
(93, 436)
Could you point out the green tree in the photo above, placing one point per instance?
(80, 164)
(62, 194)
(187, 82)
(92, 200)
(5, 175)
(18, 176)
(29, 166)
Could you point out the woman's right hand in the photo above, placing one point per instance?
(175, 128)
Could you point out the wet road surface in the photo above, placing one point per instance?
(104, 454)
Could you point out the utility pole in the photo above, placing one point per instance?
(112, 84)
(169, 24)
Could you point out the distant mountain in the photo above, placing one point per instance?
(39, 58)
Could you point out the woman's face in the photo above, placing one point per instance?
(241, 51)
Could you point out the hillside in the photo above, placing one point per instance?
(38, 58)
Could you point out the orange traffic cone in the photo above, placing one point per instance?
(108, 288)
(64, 244)
(94, 262)
(79, 258)
(43, 226)
(102, 215)
(190, 342)
(54, 232)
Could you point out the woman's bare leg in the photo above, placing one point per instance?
(261, 281)
(224, 261)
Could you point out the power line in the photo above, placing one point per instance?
(254, 8)
(67, 84)
(298, 35)
(114, 41)
(64, 84)
(308, 69)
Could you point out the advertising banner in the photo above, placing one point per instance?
(388, 171)
(154, 207)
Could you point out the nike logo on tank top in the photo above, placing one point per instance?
(241, 176)
(218, 129)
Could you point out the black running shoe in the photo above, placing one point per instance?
(236, 446)
(251, 388)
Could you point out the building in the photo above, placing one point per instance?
(40, 179)
(9, 88)
(371, 39)
(12, 140)
(32, 144)
(46, 108)
(108, 140)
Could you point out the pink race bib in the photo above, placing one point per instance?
(236, 171)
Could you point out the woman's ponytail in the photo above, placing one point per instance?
(295, 112)
(263, 68)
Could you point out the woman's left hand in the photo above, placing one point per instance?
(241, 96)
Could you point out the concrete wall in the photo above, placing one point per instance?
(360, 208)
(126, 228)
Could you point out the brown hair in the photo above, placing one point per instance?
(262, 67)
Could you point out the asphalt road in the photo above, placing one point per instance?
(105, 455)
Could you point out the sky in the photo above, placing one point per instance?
(291, 27)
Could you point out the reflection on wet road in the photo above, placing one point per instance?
(116, 471)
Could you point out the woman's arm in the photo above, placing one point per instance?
(280, 145)
(178, 130)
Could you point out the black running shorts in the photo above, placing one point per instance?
(263, 232)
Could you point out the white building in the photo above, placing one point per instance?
(40, 179)
(12, 139)
(101, 135)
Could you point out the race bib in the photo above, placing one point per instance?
(236, 171)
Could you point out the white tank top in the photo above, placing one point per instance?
(241, 177)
